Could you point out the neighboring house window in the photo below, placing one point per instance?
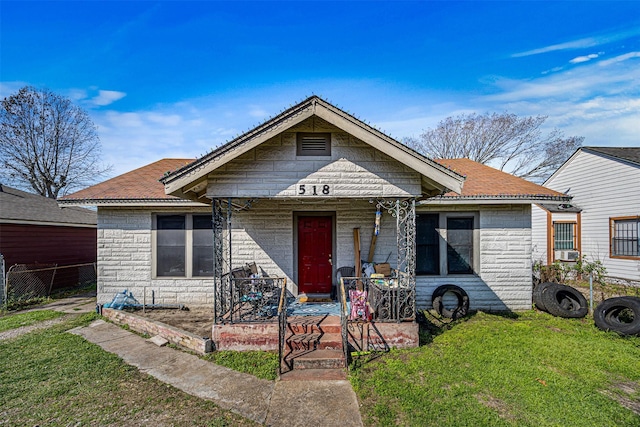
(184, 246)
(564, 235)
(313, 144)
(624, 237)
(436, 255)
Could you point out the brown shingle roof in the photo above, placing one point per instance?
(486, 182)
(140, 184)
(21, 207)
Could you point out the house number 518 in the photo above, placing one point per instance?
(313, 190)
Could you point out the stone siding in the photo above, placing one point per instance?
(354, 170)
(125, 261)
(504, 281)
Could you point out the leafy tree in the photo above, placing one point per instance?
(510, 143)
(47, 144)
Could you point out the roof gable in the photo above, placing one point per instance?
(626, 155)
(190, 179)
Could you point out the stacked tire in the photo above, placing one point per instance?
(619, 314)
(560, 300)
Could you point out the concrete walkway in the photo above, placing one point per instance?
(280, 403)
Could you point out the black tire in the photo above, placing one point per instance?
(564, 301)
(461, 310)
(538, 291)
(606, 315)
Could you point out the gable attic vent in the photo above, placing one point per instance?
(314, 144)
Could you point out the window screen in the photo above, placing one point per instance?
(171, 245)
(460, 245)
(202, 246)
(427, 244)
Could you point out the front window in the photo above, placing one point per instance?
(184, 245)
(437, 255)
(624, 237)
(460, 245)
(202, 245)
(171, 245)
(427, 244)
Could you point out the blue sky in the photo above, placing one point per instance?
(176, 79)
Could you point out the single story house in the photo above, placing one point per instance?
(35, 230)
(307, 192)
(602, 222)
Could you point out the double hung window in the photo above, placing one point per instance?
(184, 245)
(445, 244)
(624, 234)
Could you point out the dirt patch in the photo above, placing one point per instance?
(626, 394)
(198, 321)
(496, 404)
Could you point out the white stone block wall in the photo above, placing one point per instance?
(125, 260)
(504, 281)
(266, 235)
(354, 170)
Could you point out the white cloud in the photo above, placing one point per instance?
(579, 59)
(582, 43)
(106, 97)
(620, 58)
(575, 44)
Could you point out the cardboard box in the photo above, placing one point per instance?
(384, 268)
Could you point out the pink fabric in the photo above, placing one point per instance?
(359, 305)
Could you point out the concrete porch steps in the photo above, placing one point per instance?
(314, 346)
(320, 359)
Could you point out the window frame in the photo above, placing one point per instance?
(574, 236)
(612, 231)
(443, 243)
(189, 246)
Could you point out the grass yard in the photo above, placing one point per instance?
(49, 377)
(489, 370)
(27, 319)
(262, 364)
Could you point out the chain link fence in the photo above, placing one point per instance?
(28, 281)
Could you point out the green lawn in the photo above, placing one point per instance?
(27, 319)
(490, 370)
(49, 377)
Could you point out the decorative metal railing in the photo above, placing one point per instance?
(282, 328)
(389, 299)
(344, 324)
(251, 299)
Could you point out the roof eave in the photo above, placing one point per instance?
(494, 199)
(130, 202)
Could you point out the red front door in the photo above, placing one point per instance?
(314, 254)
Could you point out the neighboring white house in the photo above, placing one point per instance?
(603, 220)
(291, 192)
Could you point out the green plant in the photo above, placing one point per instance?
(596, 269)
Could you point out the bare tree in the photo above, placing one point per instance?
(510, 143)
(47, 144)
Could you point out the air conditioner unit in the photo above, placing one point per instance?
(567, 255)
